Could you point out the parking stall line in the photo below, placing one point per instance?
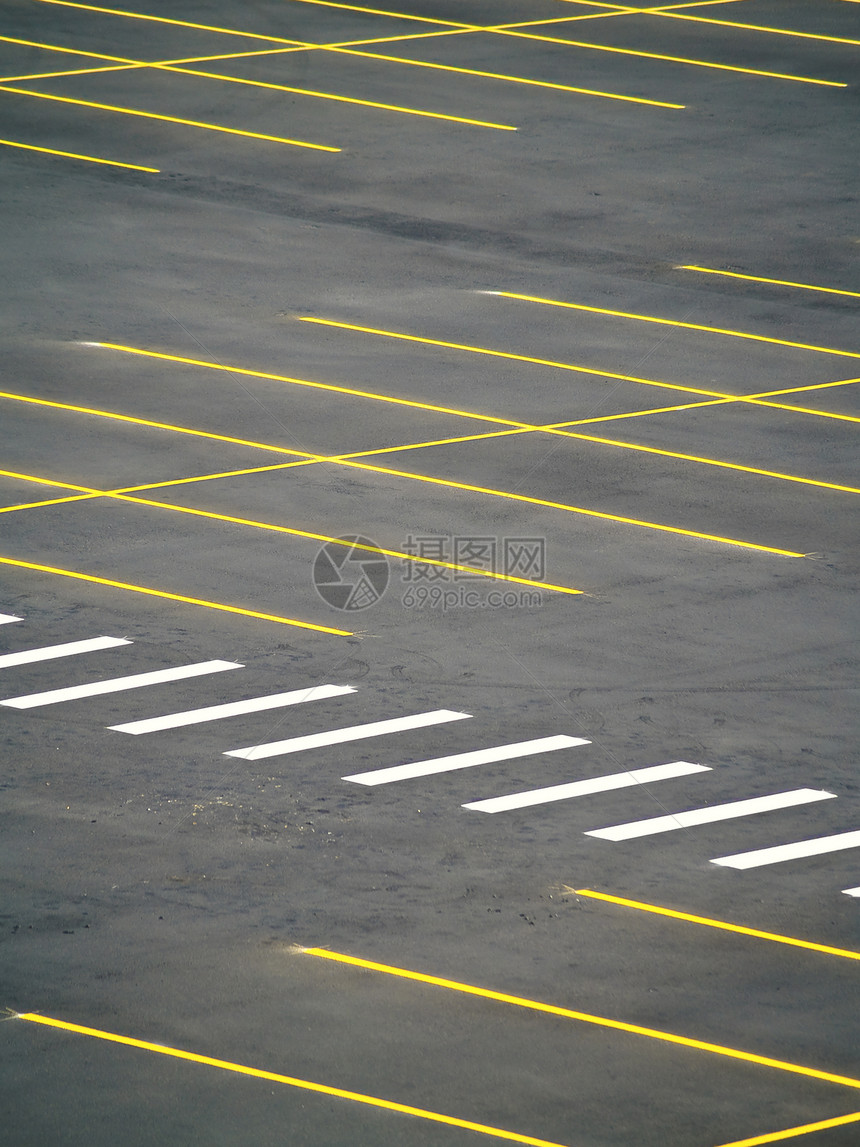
(797, 850)
(466, 760)
(342, 736)
(168, 119)
(130, 67)
(584, 1017)
(232, 519)
(232, 709)
(445, 483)
(758, 399)
(769, 282)
(672, 323)
(450, 28)
(79, 156)
(793, 1132)
(119, 684)
(708, 922)
(503, 77)
(289, 1080)
(573, 789)
(558, 428)
(69, 649)
(167, 596)
(664, 58)
(176, 69)
(516, 30)
(758, 28)
(716, 395)
(709, 815)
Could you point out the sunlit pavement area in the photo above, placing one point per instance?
(427, 621)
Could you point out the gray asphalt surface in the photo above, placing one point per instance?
(703, 606)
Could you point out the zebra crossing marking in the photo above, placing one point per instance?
(8, 618)
(696, 816)
(340, 736)
(794, 851)
(118, 684)
(465, 760)
(587, 787)
(69, 649)
(232, 709)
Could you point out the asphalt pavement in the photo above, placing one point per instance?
(428, 570)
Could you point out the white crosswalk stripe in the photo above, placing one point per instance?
(852, 891)
(697, 816)
(466, 760)
(8, 618)
(340, 736)
(69, 649)
(118, 684)
(587, 787)
(795, 851)
(232, 709)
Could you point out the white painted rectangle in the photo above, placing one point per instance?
(795, 851)
(466, 760)
(69, 649)
(586, 788)
(340, 736)
(118, 684)
(696, 816)
(232, 709)
(8, 618)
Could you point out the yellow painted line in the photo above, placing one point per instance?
(75, 155)
(173, 596)
(512, 496)
(72, 408)
(759, 28)
(755, 399)
(289, 1080)
(516, 31)
(425, 478)
(804, 1129)
(701, 460)
(167, 118)
(524, 426)
(245, 372)
(720, 396)
(48, 502)
(507, 78)
(575, 367)
(175, 68)
(559, 430)
(674, 323)
(341, 99)
(775, 937)
(455, 29)
(166, 20)
(775, 282)
(231, 519)
(669, 59)
(584, 1017)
